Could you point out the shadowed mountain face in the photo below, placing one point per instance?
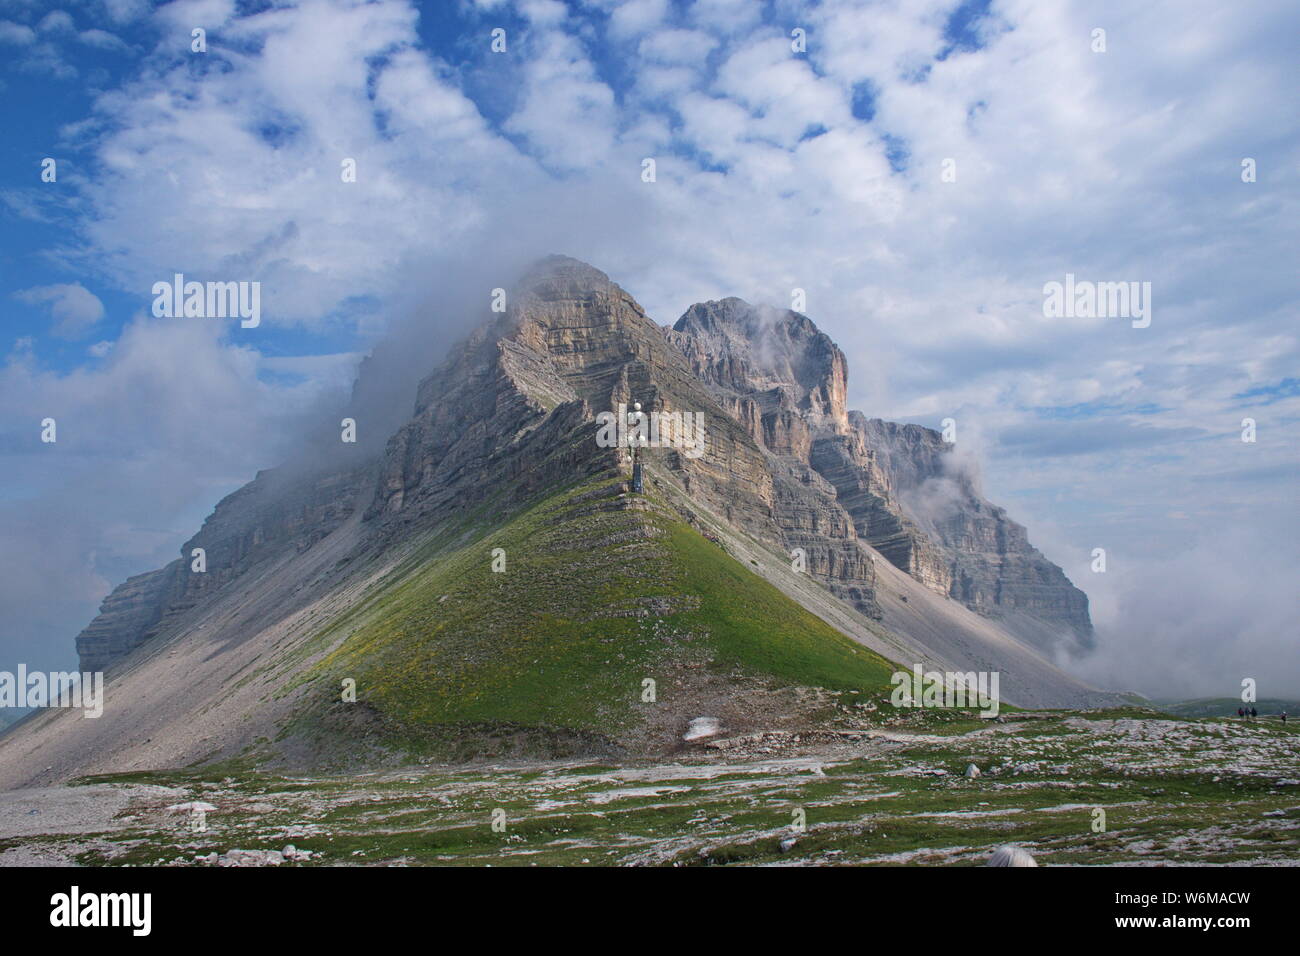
(488, 576)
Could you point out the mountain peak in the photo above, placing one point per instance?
(378, 570)
(760, 349)
(556, 266)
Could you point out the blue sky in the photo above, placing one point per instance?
(819, 169)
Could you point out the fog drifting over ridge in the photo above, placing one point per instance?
(770, 177)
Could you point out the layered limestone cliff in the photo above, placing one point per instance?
(989, 564)
(904, 491)
(128, 616)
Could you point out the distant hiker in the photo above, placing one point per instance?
(1253, 713)
(1240, 713)
(1284, 716)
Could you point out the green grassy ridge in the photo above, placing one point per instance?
(450, 642)
(467, 525)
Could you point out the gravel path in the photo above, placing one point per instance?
(66, 810)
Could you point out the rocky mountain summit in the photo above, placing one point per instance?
(488, 576)
(907, 495)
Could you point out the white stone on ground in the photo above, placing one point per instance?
(702, 727)
(1011, 856)
(191, 807)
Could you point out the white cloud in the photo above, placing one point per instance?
(103, 40)
(1210, 616)
(725, 16)
(148, 439)
(543, 13)
(122, 11)
(567, 114)
(781, 91)
(634, 17)
(56, 21)
(677, 47)
(16, 33)
(74, 308)
(182, 16)
(248, 163)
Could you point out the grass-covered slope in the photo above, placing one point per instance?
(601, 591)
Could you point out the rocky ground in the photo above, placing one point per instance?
(1173, 792)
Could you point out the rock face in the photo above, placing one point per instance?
(278, 513)
(128, 616)
(514, 410)
(510, 414)
(900, 487)
(985, 559)
(787, 376)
